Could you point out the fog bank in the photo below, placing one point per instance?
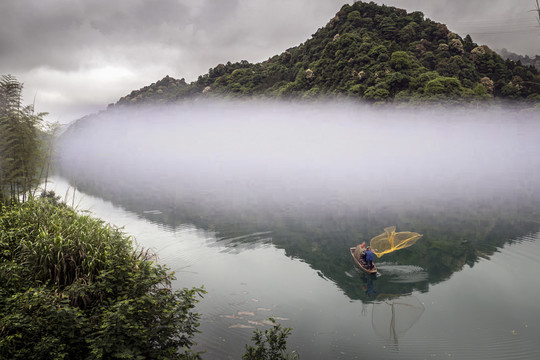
(325, 155)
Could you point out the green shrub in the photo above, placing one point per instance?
(270, 345)
(73, 287)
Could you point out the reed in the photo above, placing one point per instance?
(72, 286)
(61, 247)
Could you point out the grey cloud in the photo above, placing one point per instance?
(149, 39)
(140, 20)
(32, 35)
(58, 34)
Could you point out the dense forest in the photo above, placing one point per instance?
(367, 51)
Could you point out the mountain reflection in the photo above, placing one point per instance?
(318, 180)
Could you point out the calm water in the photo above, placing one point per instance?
(487, 311)
(261, 204)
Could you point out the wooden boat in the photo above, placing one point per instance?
(365, 269)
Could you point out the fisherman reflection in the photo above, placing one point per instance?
(368, 287)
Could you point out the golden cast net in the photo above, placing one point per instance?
(391, 241)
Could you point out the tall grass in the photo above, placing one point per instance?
(60, 247)
(72, 286)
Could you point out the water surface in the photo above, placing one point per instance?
(487, 311)
(260, 205)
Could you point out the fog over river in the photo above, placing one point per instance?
(260, 202)
(311, 152)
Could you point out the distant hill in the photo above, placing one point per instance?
(524, 60)
(369, 52)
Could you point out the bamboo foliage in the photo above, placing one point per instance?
(20, 142)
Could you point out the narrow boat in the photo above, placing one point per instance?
(365, 269)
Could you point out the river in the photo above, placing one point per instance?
(487, 311)
(264, 219)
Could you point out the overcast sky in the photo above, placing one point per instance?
(76, 56)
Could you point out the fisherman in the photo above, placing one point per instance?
(369, 258)
(362, 256)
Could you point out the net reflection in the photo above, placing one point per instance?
(392, 318)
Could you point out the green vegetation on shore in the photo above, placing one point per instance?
(73, 287)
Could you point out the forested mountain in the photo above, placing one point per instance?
(366, 51)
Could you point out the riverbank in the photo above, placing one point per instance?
(75, 287)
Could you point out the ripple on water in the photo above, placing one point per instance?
(514, 344)
(500, 327)
(403, 273)
(525, 249)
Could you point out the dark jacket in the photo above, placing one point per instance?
(369, 255)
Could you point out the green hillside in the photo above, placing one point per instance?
(366, 51)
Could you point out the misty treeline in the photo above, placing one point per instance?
(25, 143)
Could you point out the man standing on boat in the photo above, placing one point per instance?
(369, 258)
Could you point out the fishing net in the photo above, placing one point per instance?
(391, 241)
